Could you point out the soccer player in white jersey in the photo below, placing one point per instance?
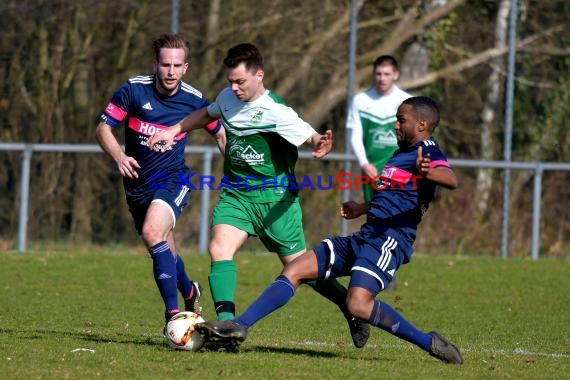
(372, 117)
(260, 199)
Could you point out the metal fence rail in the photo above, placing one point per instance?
(208, 153)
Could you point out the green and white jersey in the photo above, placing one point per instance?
(261, 145)
(373, 117)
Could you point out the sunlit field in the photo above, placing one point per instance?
(98, 314)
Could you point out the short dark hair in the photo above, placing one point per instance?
(245, 53)
(386, 60)
(426, 109)
(171, 41)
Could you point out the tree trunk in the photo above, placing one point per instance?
(416, 59)
(212, 36)
(82, 196)
(491, 105)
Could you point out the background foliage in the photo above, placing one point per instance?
(61, 60)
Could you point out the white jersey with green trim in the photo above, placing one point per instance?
(372, 117)
(262, 137)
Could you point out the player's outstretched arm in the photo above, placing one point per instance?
(442, 175)
(351, 209)
(220, 138)
(163, 140)
(322, 144)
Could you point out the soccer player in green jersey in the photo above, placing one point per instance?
(262, 136)
(372, 117)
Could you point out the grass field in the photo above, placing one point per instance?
(98, 315)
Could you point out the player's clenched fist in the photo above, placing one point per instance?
(163, 140)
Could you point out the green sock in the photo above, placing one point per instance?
(332, 290)
(223, 282)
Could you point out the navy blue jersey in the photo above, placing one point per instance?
(145, 112)
(402, 198)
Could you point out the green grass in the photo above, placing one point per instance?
(511, 318)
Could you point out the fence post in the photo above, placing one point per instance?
(208, 152)
(205, 202)
(536, 196)
(24, 197)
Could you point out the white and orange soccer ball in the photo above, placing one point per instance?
(179, 334)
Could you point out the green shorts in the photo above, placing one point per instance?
(279, 225)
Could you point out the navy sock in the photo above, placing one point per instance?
(184, 283)
(164, 270)
(273, 297)
(390, 320)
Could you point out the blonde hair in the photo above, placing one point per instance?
(171, 41)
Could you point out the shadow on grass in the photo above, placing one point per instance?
(292, 351)
(153, 340)
(147, 340)
(349, 353)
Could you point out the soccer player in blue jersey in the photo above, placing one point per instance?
(148, 104)
(372, 255)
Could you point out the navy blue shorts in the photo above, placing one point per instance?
(169, 190)
(368, 267)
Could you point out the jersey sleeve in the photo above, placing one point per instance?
(354, 124)
(353, 118)
(437, 157)
(292, 128)
(358, 146)
(214, 127)
(117, 109)
(214, 108)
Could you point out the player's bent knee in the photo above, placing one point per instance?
(150, 236)
(360, 307)
(217, 253)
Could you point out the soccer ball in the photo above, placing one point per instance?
(179, 335)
